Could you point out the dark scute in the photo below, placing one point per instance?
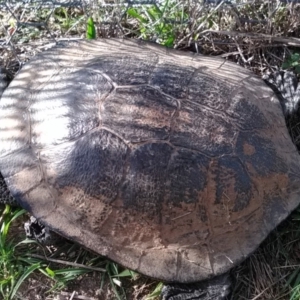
(231, 167)
(203, 130)
(274, 209)
(217, 288)
(145, 182)
(171, 79)
(125, 69)
(247, 116)
(204, 144)
(187, 176)
(264, 159)
(94, 164)
(208, 91)
(139, 113)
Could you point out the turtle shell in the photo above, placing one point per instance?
(172, 164)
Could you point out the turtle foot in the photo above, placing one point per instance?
(37, 231)
(285, 85)
(216, 288)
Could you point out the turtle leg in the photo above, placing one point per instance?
(38, 231)
(285, 85)
(217, 288)
(4, 79)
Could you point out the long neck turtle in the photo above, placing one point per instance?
(172, 164)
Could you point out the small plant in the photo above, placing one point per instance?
(115, 274)
(67, 20)
(158, 23)
(63, 18)
(18, 260)
(156, 292)
(14, 268)
(90, 29)
(293, 62)
(63, 276)
(294, 282)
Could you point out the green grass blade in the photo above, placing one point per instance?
(156, 293)
(90, 29)
(133, 13)
(23, 277)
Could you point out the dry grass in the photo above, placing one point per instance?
(259, 35)
(272, 271)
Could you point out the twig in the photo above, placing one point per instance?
(72, 296)
(76, 296)
(276, 282)
(68, 263)
(259, 36)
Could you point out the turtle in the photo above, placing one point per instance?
(169, 163)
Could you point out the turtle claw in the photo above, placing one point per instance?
(37, 231)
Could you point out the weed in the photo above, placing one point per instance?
(156, 292)
(293, 61)
(65, 19)
(115, 273)
(90, 30)
(17, 260)
(13, 269)
(158, 23)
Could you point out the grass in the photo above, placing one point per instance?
(292, 62)
(240, 33)
(272, 272)
(151, 22)
(14, 266)
(20, 258)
